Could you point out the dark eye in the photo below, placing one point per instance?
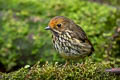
(59, 25)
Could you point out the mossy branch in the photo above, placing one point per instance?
(87, 71)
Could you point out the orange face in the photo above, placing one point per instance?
(57, 24)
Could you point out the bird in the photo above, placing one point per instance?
(69, 39)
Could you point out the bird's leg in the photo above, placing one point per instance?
(82, 64)
(67, 62)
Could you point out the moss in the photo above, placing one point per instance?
(86, 71)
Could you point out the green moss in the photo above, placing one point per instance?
(86, 71)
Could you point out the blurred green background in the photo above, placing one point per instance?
(23, 40)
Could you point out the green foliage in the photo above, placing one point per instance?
(87, 71)
(115, 2)
(23, 39)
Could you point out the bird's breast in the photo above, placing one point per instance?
(69, 47)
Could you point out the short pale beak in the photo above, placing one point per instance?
(47, 28)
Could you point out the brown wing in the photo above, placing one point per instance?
(81, 35)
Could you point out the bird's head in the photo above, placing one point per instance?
(58, 24)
